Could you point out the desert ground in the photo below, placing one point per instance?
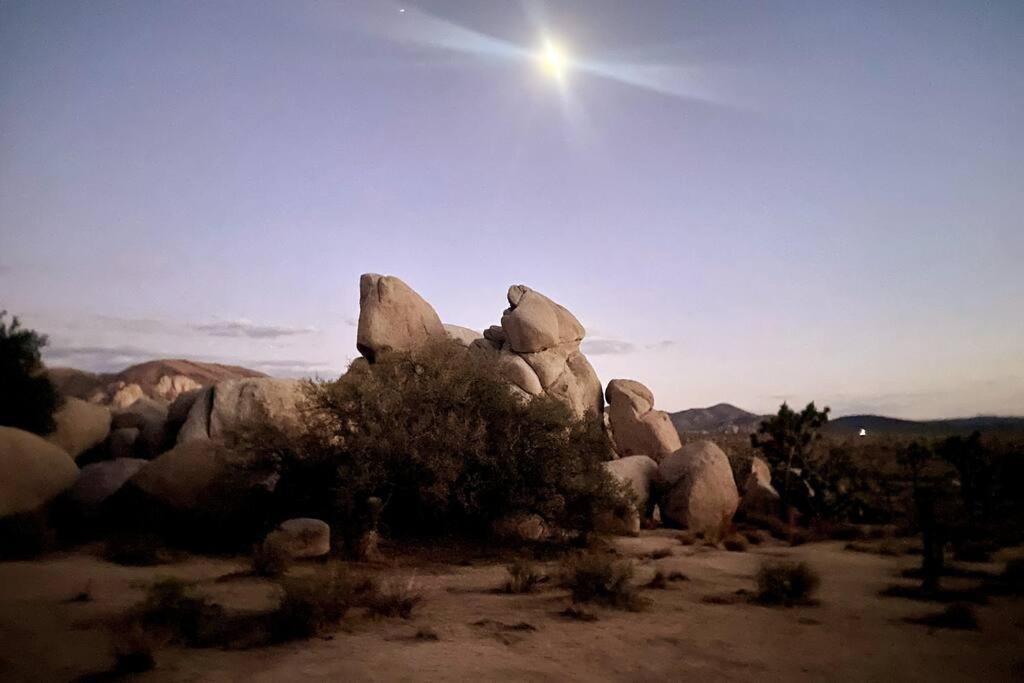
(851, 634)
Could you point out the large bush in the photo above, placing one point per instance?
(27, 397)
(440, 439)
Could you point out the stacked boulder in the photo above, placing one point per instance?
(537, 343)
(80, 426)
(538, 347)
(636, 428)
(700, 491)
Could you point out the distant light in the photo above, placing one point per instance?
(553, 60)
(863, 432)
(401, 10)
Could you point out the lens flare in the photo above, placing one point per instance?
(553, 60)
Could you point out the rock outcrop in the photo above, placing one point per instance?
(99, 481)
(80, 425)
(300, 537)
(33, 471)
(638, 429)
(700, 493)
(639, 475)
(538, 348)
(393, 317)
(149, 416)
(759, 496)
(220, 410)
(184, 478)
(463, 335)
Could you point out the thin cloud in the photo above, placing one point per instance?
(664, 344)
(607, 347)
(246, 328)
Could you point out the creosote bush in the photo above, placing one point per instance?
(523, 577)
(394, 598)
(786, 583)
(314, 604)
(439, 438)
(27, 399)
(594, 576)
(269, 560)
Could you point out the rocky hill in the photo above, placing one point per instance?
(719, 418)
(851, 425)
(163, 378)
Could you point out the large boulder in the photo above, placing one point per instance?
(123, 395)
(123, 443)
(462, 335)
(393, 317)
(80, 425)
(300, 537)
(99, 481)
(637, 428)
(184, 478)
(639, 475)
(149, 416)
(534, 322)
(178, 410)
(170, 387)
(223, 409)
(759, 496)
(33, 471)
(700, 492)
(538, 349)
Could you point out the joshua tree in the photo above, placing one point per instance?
(787, 441)
(27, 397)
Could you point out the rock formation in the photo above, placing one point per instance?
(32, 471)
(225, 407)
(701, 492)
(99, 481)
(537, 344)
(638, 429)
(538, 347)
(149, 416)
(759, 496)
(80, 426)
(393, 317)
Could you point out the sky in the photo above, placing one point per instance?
(746, 202)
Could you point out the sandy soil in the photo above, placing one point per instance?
(852, 635)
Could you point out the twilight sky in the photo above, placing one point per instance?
(743, 202)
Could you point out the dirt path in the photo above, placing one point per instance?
(852, 635)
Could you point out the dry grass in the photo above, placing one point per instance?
(523, 577)
(395, 598)
(786, 583)
(601, 578)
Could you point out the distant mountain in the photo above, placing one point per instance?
(148, 375)
(720, 418)
(877, 424)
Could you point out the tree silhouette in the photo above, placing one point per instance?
(787, 441)
(27, 397)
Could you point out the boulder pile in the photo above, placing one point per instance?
(636, 427)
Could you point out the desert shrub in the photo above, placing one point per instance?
(786, 583)
(136, 550)
(134, 651)
(736, 543)
(960, 616)
(269, 560)
(426, 633)
(395, 598)
(25, 536)
(1013, 575)
(171, 613)
(599, 577)
(314, 604)
(28, 399)
(523, 577)
(438, 436)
